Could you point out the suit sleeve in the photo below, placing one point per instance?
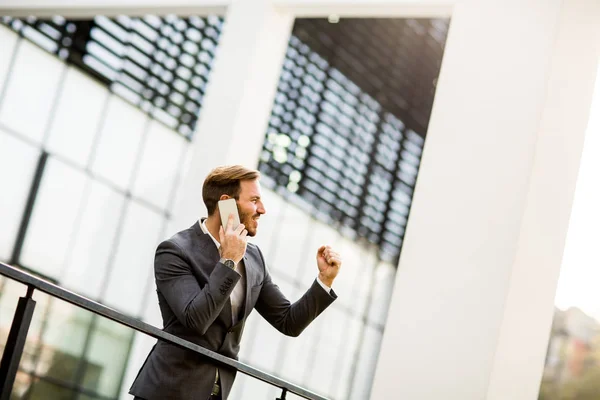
(291, 319)
(195, 307)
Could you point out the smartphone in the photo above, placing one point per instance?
(227, 207)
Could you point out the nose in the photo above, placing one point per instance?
(261, 209)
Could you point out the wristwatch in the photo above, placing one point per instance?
(228, 263)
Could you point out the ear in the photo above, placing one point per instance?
(224, 197)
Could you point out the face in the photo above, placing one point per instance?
(250, 205)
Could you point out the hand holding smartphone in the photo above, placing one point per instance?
(233, 243)
(227, 207)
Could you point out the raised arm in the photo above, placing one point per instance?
(291, 319)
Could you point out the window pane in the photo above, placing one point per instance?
(86, 397)
(31, 91)
(107, 357)
(351, 276)
(17, 167)
(288, 253)
(246, 387)
(53, 218)
(267, 340)
(363, 288)
(367, 361)
(134, 260)
(382, 287)
(21, 386)
(8, 40)
(63, 339)
(142, 344)
(275, 206)
(119, 142)
(94, 240)
(297, 354)
(43, 390)
(77, 117)
(159, 167)
(345, 361)
(318, 235)
(324, 368)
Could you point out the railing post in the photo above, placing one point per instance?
(283, 393)
(15, 343)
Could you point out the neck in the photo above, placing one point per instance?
(213, 224)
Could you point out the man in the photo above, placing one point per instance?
(208, 281)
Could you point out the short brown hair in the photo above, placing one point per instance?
(225, 180)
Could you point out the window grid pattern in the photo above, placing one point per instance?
(124, 209)
(340, 152)
(160, 64)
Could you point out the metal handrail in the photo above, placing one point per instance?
(33, 283)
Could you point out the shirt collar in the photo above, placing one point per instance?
(205, 230)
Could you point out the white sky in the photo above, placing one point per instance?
(579, 283)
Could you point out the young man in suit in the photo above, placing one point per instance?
(208, 280)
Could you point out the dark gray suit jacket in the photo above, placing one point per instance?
(193, 294)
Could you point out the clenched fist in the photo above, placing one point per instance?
(329, 263)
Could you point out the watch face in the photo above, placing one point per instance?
(230, 264)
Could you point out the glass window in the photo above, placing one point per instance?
(134, 259)
(8, 41)
(77, 116)
(288, 253)
(270, 222)
(62, 342)
(246, 387)
(160, 64)
(93, 242)
(119, 142)
(53, 218)
(250, 330)
(142, 344)
(297, 354)
(31, 91)
(324, 369)
(159, 167)
(317, 235)
(346, 360)
(381, 288)
(265, 353)
(106, 357)
(44, 390)
(364, 286)
(366, 364)
(21, 386)
(18, 162)
(351, 273)
(151, 314)
(87, 397)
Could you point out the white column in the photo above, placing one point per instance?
(473, 300)
(237, 106)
